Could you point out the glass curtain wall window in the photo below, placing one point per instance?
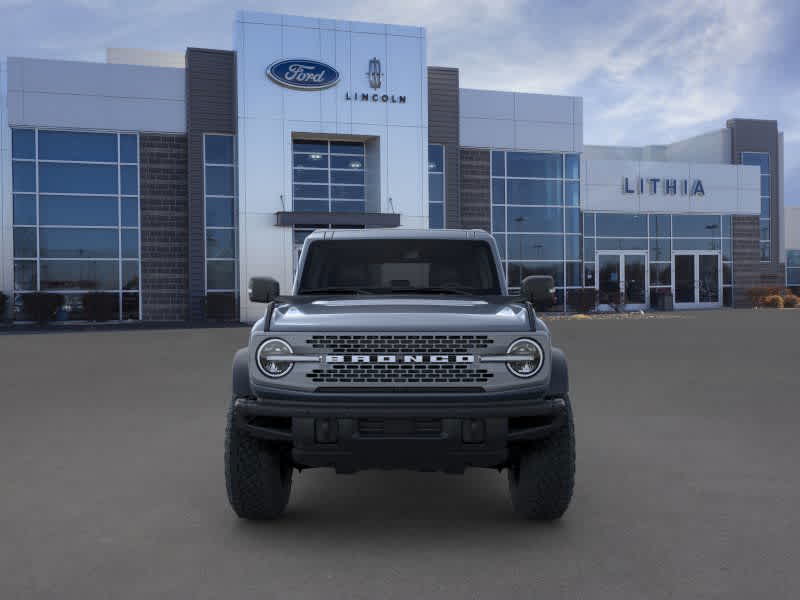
(660, 235)
(76, 219)
(536, 216)
(219, 157)
(793, 268)
(328, 176)
(436, 186)
(761, 160)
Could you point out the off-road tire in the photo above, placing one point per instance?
(257, 477)
(541, 480)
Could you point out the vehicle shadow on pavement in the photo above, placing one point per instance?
(399, 505)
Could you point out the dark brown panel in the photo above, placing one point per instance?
(210, 108)
(443, 129)
(475, 197)
(164, 226)
(755, 135)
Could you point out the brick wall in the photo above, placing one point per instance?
(165, 227)
(475, 198)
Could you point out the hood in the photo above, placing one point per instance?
(400, 314)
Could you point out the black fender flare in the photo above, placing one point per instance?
(559, 375)
(241, 374)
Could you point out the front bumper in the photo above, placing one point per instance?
(438, 432)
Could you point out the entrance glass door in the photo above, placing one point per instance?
(622, 280)
(697, 279)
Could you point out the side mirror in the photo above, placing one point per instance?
(263, 289)
(539, 290)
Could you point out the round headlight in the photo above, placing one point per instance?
(269, 366)
(531, 358)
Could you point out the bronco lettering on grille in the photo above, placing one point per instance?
(395, 358)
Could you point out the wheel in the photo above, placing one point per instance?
(257, 477)
(541, 480)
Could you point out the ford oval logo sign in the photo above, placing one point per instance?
(303, 74)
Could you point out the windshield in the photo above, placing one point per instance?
(366, 266)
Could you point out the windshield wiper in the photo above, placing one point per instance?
(336, 289)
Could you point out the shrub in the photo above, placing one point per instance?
(3, 306)
(758, 295)
(582, 300)
(790, 301)
(99, 306)
(41, 306)
(773, 301)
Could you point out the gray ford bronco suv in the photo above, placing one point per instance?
(400, 349)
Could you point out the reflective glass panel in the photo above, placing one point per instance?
(572, 220)
(347, 192)
(695, 244)
(572, 245)
(220, 275)
(519, 271)
(498, 218)
(219, 149)
(573, 274)
(310, 191)
(312, 175)
(727, 226)
(759, 159)
(623, 225)
(535, 247)
(588, 224)
(696, 225)
(77, 210)
(572, 191)
(436, 187)
(220, 243)
(24, 209)
(765, 185)
(535, 219)
(531, 191)
(130, 275)
(219, 181)
(660, 226)
(573, 166)
(347, 206)
(25, 242)
(68, 178)
(25, 275)
(315, 161)
(347, 148)
(436, 215)
(498, 163)
(357, 177)
(660, 249)
(130, 243)
(345, 162)
(531, 164)
(23, 176)
(128, 148)
(130, 307)
(311, 205)
(129, 183)
(219, 212)
(793, 258)
(23, 143)
(79, 275)
(435, 158)
(130, 212)
(660, 274)
(309, 146)
(57, 242)
(621, 243)
(498, 191)
(588, 249)
(78, 146)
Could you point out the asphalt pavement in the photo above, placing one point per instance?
(688, 478)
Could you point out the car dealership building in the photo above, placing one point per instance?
(170, 180)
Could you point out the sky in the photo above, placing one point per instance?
(649, 72)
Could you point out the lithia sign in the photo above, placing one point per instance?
(307, 74)
(667, 186)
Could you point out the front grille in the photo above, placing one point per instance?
(394, 373)
(398, 344)
(399, 373)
